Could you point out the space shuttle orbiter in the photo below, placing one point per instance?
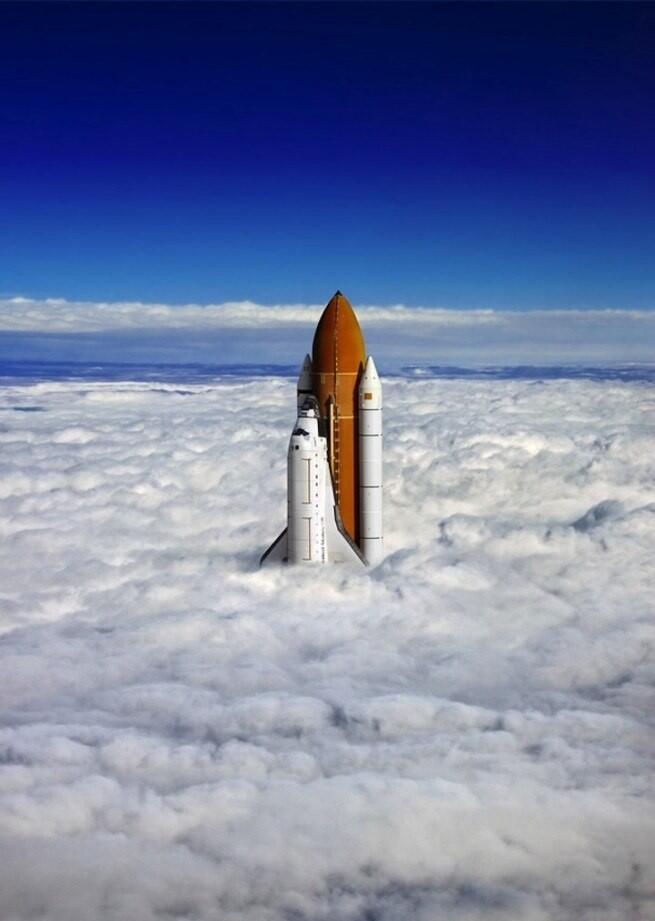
(334, 464)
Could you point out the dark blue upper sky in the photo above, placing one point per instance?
(456, 155)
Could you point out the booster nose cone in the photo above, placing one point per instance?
(370, 388)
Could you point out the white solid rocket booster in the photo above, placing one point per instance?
(304, 388)
(370, 463)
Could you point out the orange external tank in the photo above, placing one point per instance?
(338, 358)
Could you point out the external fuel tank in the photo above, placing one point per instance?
(338, 358)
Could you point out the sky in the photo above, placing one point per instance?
(463, 731)
(458, 156)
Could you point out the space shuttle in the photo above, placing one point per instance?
(334, 462)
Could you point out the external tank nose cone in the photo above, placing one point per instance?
(338, 340)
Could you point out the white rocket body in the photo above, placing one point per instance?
(370, 463)
(306, 465)
(304, 389)
(314, 532)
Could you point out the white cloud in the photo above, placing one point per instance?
(58, 315)
(460, 733)
(246, 332)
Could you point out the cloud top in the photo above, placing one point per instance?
(59, 315)
(245, 332)
(463, 732)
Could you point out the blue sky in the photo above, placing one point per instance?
(456, 155)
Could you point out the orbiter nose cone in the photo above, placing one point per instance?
(338, 340)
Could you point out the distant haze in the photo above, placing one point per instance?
(245, 332)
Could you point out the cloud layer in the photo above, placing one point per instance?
(248, 332)
(462, 733)
(59, 315)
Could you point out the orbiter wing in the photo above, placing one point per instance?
(340, 546)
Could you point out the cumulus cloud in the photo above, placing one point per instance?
(248, 332)
(461, 733)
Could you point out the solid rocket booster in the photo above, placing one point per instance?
(334, 463)
(370, 462)
(304, 389)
